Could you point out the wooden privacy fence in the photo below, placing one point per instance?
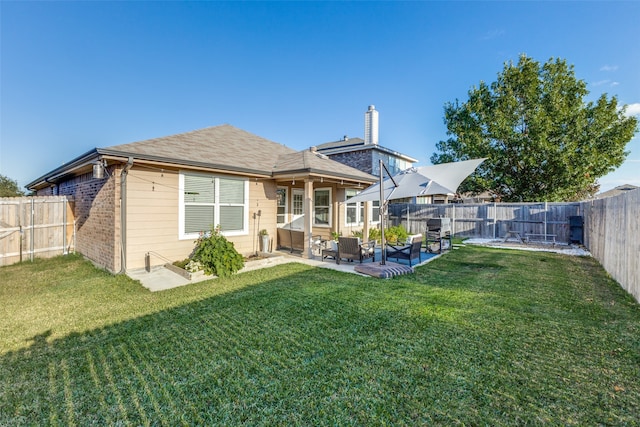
(612, 234)
(541, 221)
(35, 227)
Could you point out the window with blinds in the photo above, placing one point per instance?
(209, 200)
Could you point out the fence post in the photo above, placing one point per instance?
(545, 220)
(33, 230)
(64, 228)
(21, 239)
(453, 214)
(495, 214)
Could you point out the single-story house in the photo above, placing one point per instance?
(145, 203)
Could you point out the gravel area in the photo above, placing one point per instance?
(562, 248)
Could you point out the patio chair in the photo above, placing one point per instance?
(409, 251)
(350, 248)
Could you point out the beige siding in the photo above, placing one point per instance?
(153, 215)
(262, 197)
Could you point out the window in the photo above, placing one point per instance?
(281, 216)
(375, 211)
(298, 202)
(355, 211)
(322, 207)
(208, 200)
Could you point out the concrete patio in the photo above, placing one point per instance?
(161, 278)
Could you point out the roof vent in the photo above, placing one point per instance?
(313, 149)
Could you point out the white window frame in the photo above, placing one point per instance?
(182, 235)
(330, 213)
(371, 208)
(297, 211)
(285, 215)
(359, 207)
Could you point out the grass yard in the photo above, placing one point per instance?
(478, 337)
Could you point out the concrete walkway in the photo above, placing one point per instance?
(161, 278)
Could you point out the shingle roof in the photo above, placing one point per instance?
(312, 162)
(225, 147)
(616, 191)
(222, 147)
(351, 142)
(357, 144)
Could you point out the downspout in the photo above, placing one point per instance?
(123, 215)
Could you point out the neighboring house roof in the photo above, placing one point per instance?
(348, 145)
(310, 162)
(222, 147)
(342, 144)
(616, 191)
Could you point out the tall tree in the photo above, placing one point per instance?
(541, 139)
(9, 187)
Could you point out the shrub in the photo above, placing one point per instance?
(374, 234)
(189, 265)
(217, 255)
(397, 233)
(182, 264)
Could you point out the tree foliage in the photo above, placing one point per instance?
(9, 187)
(541, 139)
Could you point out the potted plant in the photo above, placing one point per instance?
(264, 240)
(334, 240)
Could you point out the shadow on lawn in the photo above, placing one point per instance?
(300, 351)
(288, 351)
(39, 340)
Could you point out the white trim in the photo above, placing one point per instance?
(286, 206)
(359, 206)
(330, 214)
(216, 203)
(371, 207)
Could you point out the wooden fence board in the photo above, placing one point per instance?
(35, 227)
(490, 220)
(612, 234)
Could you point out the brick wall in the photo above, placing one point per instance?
(361, 160)
(97, 213)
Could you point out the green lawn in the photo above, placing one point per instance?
(477, 337)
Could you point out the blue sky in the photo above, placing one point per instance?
(79, 75)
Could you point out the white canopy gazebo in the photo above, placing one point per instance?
(444, 178)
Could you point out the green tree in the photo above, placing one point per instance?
(541, 139)
(9, 187)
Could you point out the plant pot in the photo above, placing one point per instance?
(264, 244)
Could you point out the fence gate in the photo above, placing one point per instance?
(33, 227)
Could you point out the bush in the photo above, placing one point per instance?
(374, 234)
(217, 255)
(396, 233)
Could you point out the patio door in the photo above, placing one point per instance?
(297, 208)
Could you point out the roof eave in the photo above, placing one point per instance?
(322, 173)
(188, 163)
(64, 169)
(331, 151)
